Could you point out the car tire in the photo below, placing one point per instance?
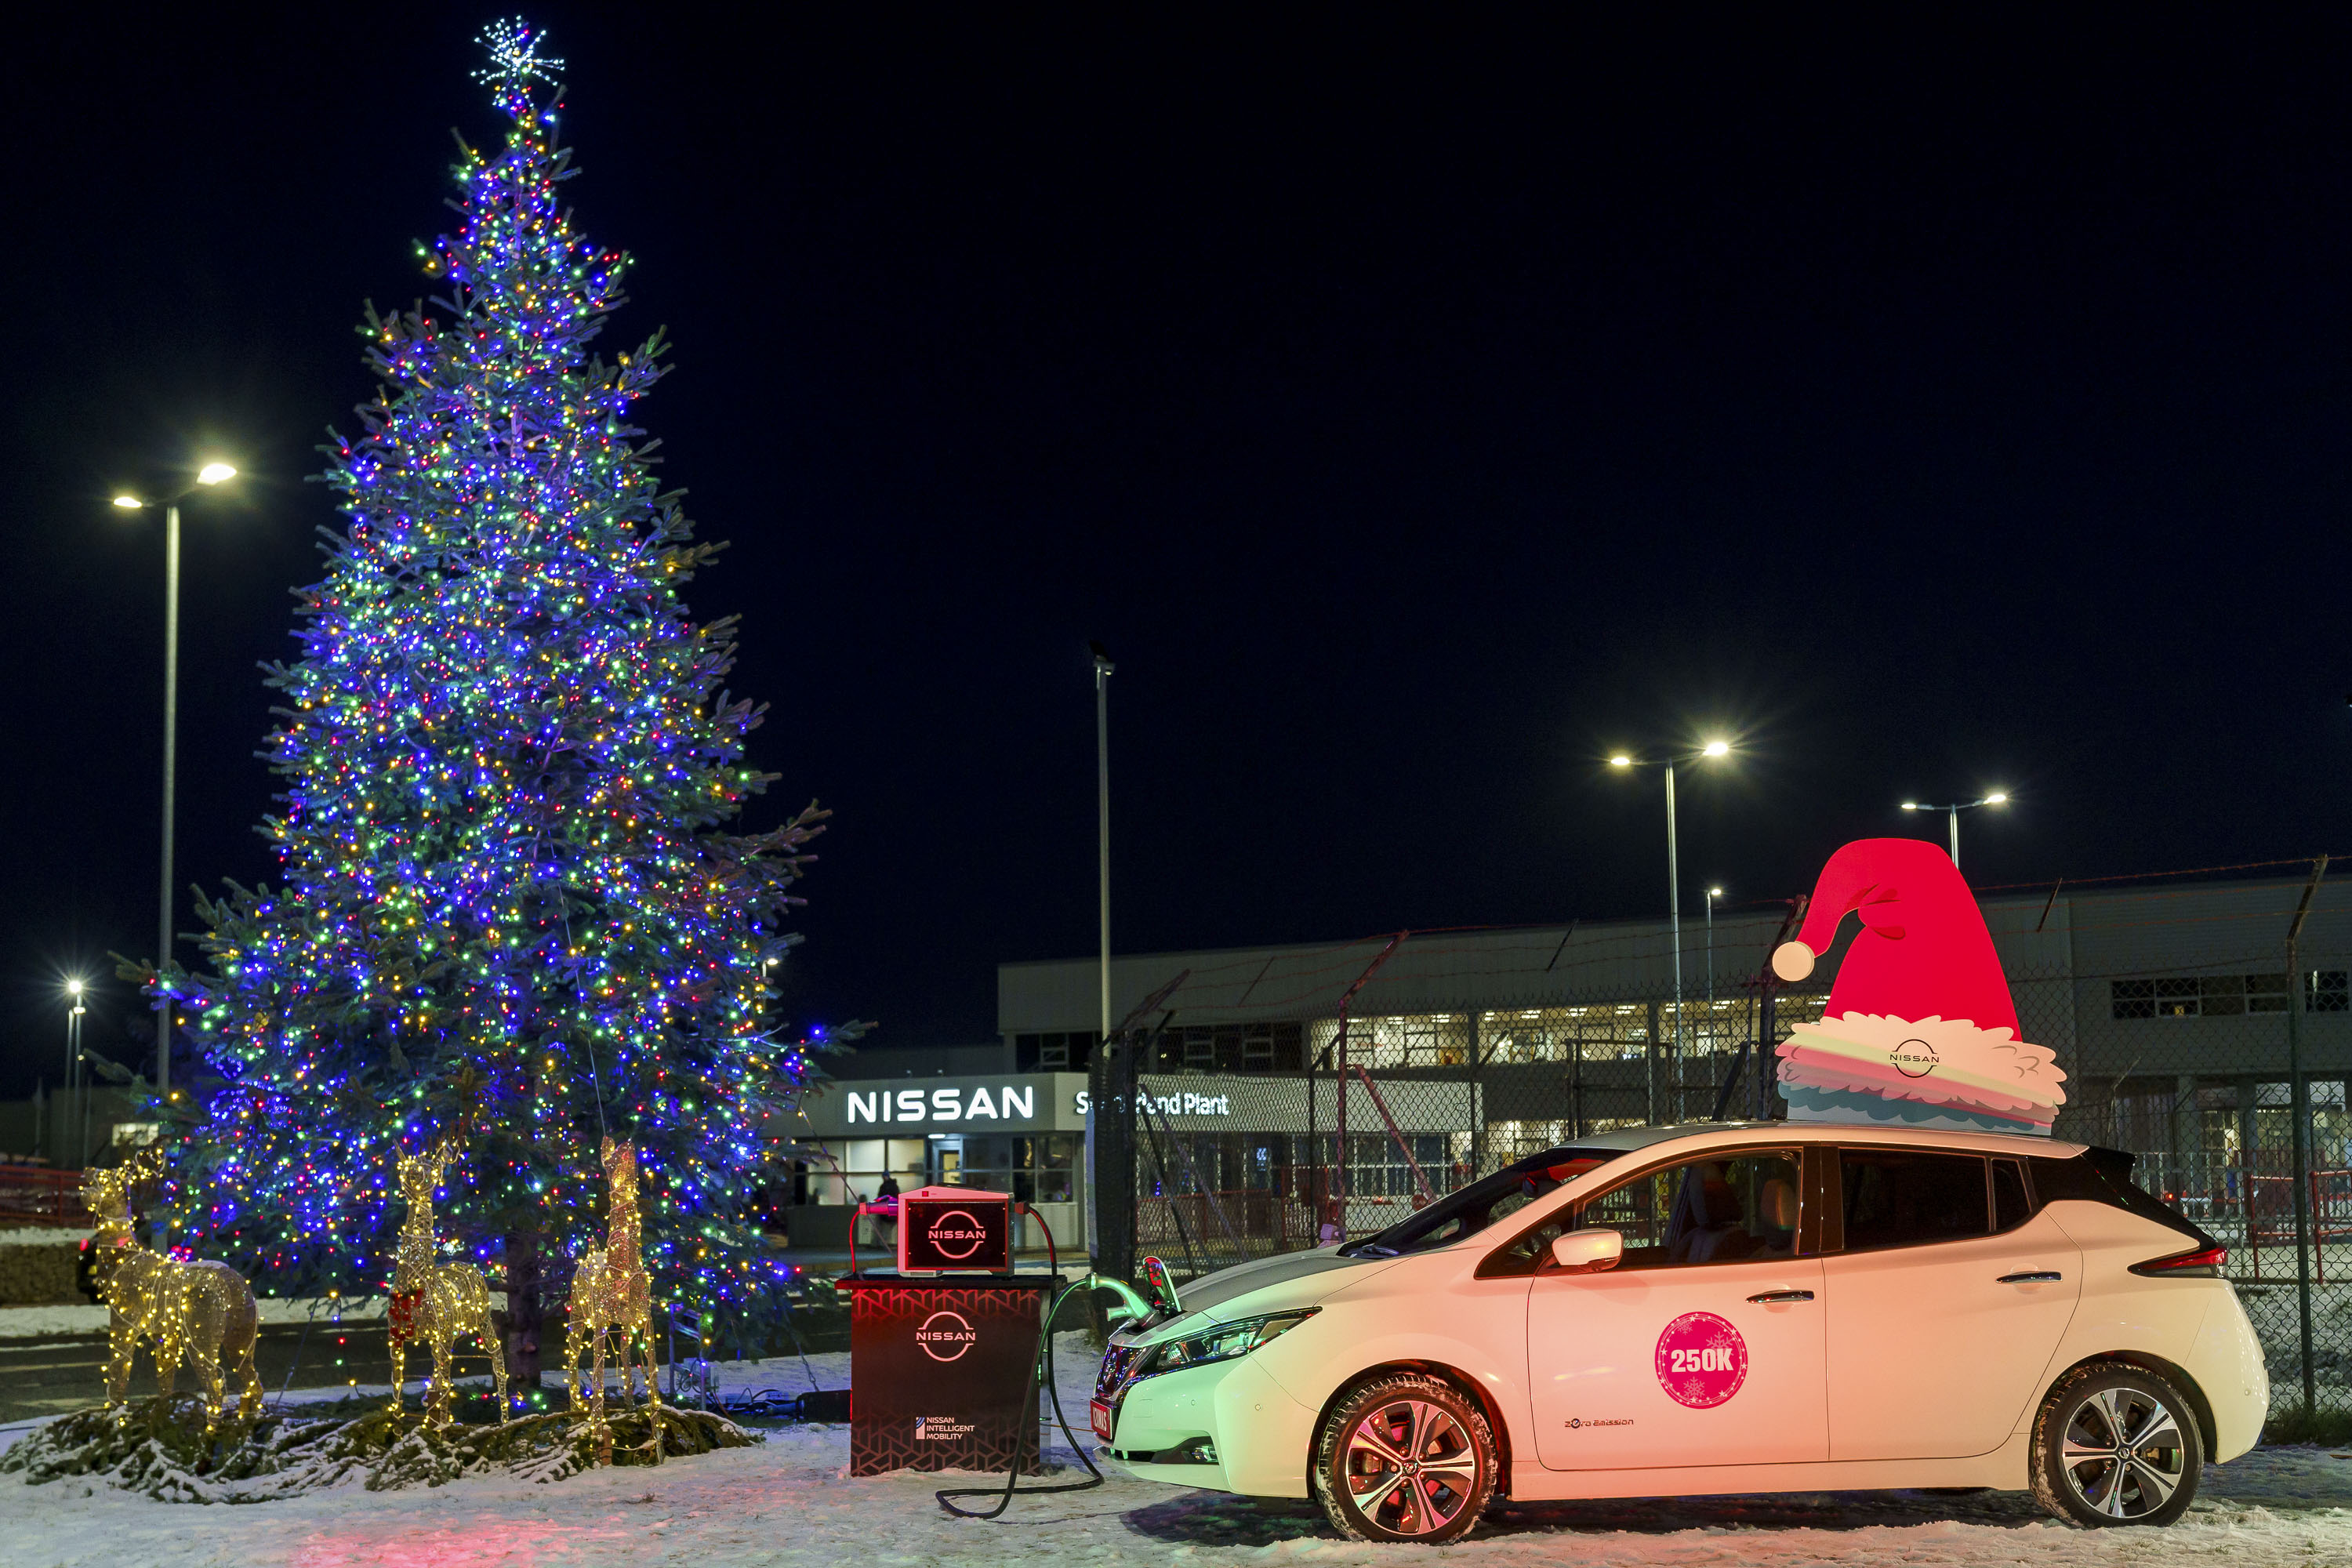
(2117, 1444)
(1405, 1457)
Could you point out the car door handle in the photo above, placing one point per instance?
(2031, 1277)
(1767, 1298)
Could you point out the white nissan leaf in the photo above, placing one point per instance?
(1764, 1307)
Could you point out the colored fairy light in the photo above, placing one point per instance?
(519, 907)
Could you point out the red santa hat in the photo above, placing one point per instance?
(1923, 950)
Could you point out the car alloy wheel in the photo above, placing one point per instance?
(2117, 1445)
(1405, 1458)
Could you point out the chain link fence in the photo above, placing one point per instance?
(1265, 1102)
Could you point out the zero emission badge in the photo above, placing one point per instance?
(1702, 1360)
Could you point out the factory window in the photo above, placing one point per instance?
(2226, 996)
(1053, 1052)
(1408, 1040)
(1268, 1047)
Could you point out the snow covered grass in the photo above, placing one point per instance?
(42, 1235)
(88, 1318)
(790, 1503)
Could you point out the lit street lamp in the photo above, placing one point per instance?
(209, 475)
(1997, 797)
(74, 1098)
(1674, 883)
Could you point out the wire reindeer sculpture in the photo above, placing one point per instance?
(202, 1313)
(610, 1292)
(433, 1300)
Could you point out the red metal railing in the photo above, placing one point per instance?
(36, 1193)
(2267, 1204)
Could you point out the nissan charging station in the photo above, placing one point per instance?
(941, 1349)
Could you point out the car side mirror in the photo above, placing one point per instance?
(1586, 1252)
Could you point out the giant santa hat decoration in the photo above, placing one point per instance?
(1919, 1029)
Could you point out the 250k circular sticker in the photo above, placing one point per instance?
(1702, 1360)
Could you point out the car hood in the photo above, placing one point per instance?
(1203, 1297)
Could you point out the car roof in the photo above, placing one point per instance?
(1630, 1139)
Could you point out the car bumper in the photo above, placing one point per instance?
(2228, 1364)
(1224, 1427)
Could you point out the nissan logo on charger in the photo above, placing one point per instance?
(962, 1229)
(955, 1233)
(945, 1335)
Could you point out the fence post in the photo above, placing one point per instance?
(1650, 1062)
(1111, 1148)
(2299, 1099)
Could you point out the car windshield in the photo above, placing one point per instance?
(1472, 1209)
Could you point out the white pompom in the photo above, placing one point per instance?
(1792, 961)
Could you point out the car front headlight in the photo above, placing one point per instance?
(1222, 1341)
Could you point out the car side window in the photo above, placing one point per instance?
(1725, 1208)
(1903, 1197)
(2011, 1207)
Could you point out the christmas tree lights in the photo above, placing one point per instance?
(515, 912)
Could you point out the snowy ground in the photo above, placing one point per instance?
(86, 1318)
(791, 1501)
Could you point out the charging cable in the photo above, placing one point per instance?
(1041, 1367)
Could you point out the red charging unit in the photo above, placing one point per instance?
(941, 1350)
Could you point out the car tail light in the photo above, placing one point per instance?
(2198, 1263)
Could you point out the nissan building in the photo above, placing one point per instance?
(1020, 1133)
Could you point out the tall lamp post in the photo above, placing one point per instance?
(1712, 894)
(1103, 669)
(72, 1120)
(1673, 885)
(1952, 813)
(209, 475)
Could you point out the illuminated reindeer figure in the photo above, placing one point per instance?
(199, 1312)
(433, 1300)
(611, 1292)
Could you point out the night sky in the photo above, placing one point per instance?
(1418, 409)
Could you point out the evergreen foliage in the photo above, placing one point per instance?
(517, 908)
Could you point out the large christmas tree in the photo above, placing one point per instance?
(513, 909)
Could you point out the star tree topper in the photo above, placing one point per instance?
(515, 63)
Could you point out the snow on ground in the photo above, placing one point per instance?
(42, 1235)
(790, 1503)
(86, 1318)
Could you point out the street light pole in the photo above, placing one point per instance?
(170, 767)
(210, 474)
(1952, 815)
(1675, 929)
(67, 1121)
(1674, 909)
(1712, 894)
(1103, 669)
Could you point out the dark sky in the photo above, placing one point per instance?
(1418, 409)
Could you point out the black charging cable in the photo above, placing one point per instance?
(1042, 1366)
